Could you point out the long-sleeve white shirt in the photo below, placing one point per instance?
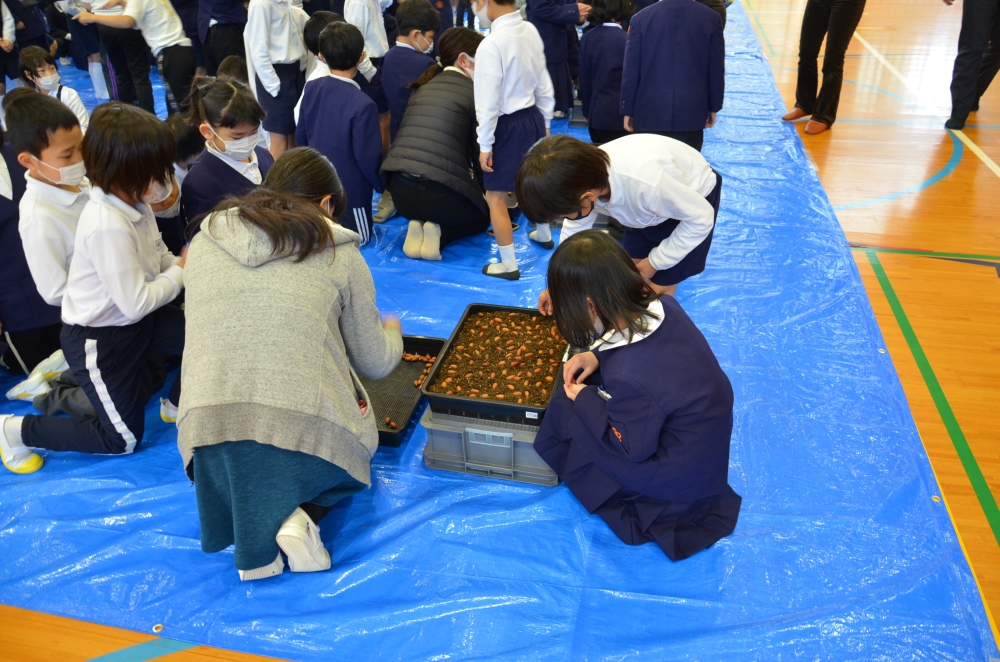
(9, 24)
(121, 269)
(49, 216)
(653, 179)
(70, 99)
(272, 36)
(510, 75)
(366, 15)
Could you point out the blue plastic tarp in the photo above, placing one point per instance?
(840, 552)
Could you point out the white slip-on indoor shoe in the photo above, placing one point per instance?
(299, 539)
(29, 388)
(168, 411)
(51, 366)
(271, 570)
(17, 457)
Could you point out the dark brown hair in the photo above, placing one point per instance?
(233, 67)
(417, 15)
(286, 207)
(452, 43)
(609, 11)
(33, 118)
(555, 173)
(30, 60)
(223, 102)
(126, 149)
(593, 266)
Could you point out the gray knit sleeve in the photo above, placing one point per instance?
(373, 351)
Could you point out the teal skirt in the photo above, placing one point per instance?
(246, 490)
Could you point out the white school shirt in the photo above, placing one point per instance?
(366, 15)
(159, 23)
(272, 36)
(9, 25)
(49, 216)
(250, 170)
(70, 99)
(510, 75)
(652, 179)
(121, 269)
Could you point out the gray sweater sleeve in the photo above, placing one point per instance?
(373, 351)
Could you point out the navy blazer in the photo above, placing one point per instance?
(674, 71)
(602, 52)
(21, 306)
(551, 17)
(224, 11)
(211, 179)
(401, 67)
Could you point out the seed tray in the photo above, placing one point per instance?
(395, 396)
(480, 408)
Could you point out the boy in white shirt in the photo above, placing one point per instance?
(163, 31)
(514, 104)
(114, 309)
(38, 70)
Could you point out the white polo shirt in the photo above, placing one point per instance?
(121, 269)
(159, 23)
(49, 216)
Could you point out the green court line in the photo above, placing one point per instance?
(958, 440)
(763, 32)
(913, 251)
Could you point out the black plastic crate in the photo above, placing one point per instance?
(492, 410)
(396, 396)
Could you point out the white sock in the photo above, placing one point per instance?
(508, 262)
(270, 570)
(97, 78)
(541, 233)
(431, 248)
(414, 239)
(12, 433)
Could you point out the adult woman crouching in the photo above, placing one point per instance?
(274, 428)
(431, 167)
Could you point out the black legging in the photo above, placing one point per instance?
(176, 65)
(128, 66)
(978, 58)
(425, 200)
(836, 19)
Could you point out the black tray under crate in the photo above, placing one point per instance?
(493, 410)
(396, 396)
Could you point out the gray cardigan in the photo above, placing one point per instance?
(270, 346)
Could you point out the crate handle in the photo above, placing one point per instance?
(488, 438)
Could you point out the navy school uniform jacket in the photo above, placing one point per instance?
(224, 11)
(341, 121)
(602, 51)
(551, 17)
(210, 180)
(21, 306)
(674, 70)
(401, 67)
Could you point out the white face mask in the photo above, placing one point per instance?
(48, 83)
(241, 149)
(430, 45)
(173, 210)
(471, 72)
(484, 19)
(158, 192)
(70, 175)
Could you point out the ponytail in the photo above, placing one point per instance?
(223, 102)
(452, 43)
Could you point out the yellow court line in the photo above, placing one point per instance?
(987, 161)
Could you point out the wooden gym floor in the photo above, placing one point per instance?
(918, 203)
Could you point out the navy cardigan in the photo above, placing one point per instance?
(401, 67)
(551, 17)
(674, 70)
(210, 180)
(602, 51)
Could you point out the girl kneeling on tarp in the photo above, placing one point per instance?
(640, 432)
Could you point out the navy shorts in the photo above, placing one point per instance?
(373, 87)
(639, 242)
(514, 136)
(280, 110)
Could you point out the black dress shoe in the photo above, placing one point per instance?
(954, 124)
(506, 275)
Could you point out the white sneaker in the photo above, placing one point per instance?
(168, 411)
(52, 366)
(29, 388)
(299, 539)
(19, 460)
(271, 570)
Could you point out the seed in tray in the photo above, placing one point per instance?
(393, 425)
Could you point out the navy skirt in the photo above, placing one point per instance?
(562, 85)
(680, 528)
(639, 242)
(280, 110)
(514, 136)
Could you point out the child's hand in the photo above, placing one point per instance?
(646, 270)
(629, 125)
(711, 120)
(363, 406)
(391, 322)
(545, 303)
(585, 363)
(84, 18)
(6, 45)
(572, 390)
(486, 161)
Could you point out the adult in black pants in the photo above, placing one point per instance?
(978, 58)
(128, 64)
(836, 19)
(432, 166)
